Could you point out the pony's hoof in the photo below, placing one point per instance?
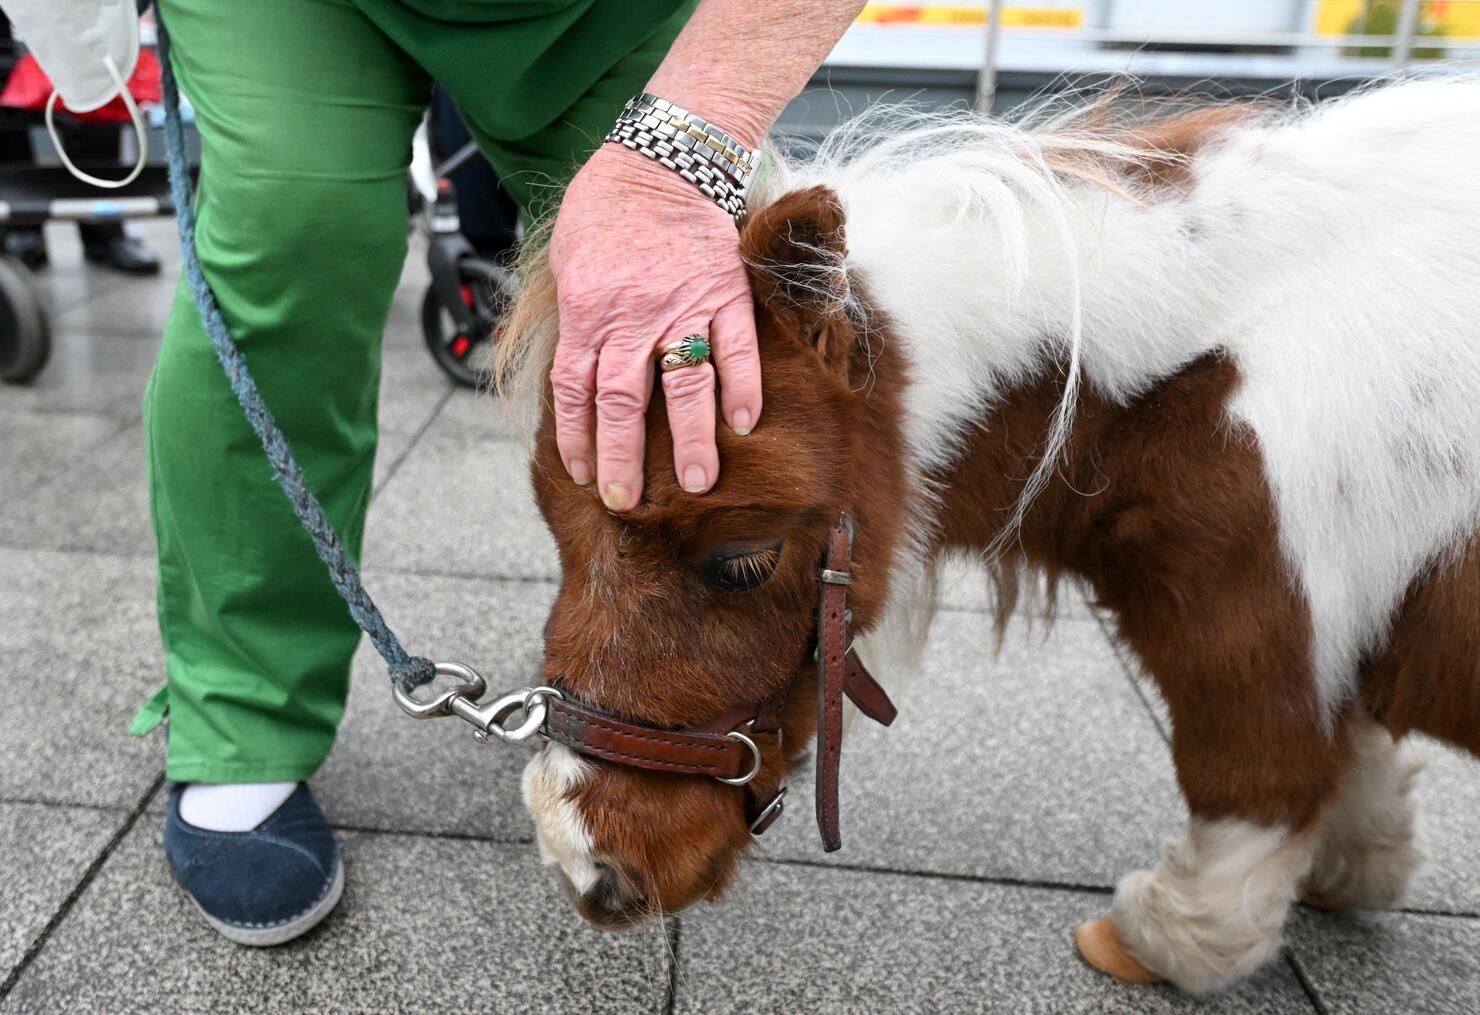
(1317, 900)
(1100, 946)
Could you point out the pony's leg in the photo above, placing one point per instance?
(1367, 851)
(1257, 766)
(1211, 913)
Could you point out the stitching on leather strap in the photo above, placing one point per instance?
(596, 720)
(611, 754)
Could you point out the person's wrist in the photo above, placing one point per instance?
(746, 117)
(639, 177)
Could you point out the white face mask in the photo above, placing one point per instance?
(88, 48)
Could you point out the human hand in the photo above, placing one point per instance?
(642, 259)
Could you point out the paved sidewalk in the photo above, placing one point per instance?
(977, 834)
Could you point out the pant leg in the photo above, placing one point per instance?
(535, 169)
(305, 113)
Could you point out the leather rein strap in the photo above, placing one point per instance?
(722, 748)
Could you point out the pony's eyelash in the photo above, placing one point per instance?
(752, 567)
(743, 569)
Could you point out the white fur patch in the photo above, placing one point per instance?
(1212, 913)
(550, 780)
(1331, 253)
(1368, 851)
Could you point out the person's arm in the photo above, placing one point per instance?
(642, 258)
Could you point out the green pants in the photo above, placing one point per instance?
(305, 110)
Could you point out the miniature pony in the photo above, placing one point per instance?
(1222, 367)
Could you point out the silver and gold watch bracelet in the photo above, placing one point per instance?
(692, 147)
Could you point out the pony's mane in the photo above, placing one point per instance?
(998, 174)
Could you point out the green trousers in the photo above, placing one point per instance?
(305, 110)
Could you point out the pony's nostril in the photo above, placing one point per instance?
(606, 892)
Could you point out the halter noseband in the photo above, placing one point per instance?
(723, 748)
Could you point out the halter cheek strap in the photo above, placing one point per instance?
(723, 748)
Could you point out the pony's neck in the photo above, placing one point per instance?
(985, 314)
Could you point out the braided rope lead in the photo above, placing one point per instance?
(409, 671)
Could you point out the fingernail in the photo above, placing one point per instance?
(694, 480)
(580, 472)
(740, 422)
(616, 496)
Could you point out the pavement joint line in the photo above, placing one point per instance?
(37, 801)
(77, 551)
(1312, 994)
(1441, 914)
(395, 467)
(980, 879)
(496, 840)
(39, 942)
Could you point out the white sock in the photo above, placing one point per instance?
(232, 807)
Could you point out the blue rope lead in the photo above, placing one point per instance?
(409, 671)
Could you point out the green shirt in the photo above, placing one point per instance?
(522, 62)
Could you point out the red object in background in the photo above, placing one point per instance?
(29, 88)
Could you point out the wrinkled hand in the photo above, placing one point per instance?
(641, 259)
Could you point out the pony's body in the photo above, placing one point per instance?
(1221, 369)
(1331, 257)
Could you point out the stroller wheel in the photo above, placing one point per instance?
(461, 338)
(25, 330)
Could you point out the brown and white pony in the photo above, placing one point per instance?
(1223, 368)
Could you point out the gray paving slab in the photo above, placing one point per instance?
(461, 504)
(79, 653)
(34, 446)
(425, 925)
(391, 771)
(1040, 764)
(93, 372)
(480, 415)
(412, 389)
(1384, 963)
(44, 852)
(95, 300)
(822, 941)
(100, 503)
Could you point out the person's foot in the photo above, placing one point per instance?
(123, 253)
(27, 246)
(264, 886)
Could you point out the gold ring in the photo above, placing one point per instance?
(689, 351)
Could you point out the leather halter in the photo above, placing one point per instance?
(722, 748)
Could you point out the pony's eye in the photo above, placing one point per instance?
(736, 570)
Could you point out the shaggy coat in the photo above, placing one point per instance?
(1221, 369)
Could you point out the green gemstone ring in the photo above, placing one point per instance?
(686, 352)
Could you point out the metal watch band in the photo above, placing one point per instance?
(695, 149)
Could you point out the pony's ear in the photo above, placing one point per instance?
(795, 250)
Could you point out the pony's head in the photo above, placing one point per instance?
(688, 607)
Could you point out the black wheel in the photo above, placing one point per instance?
(462, 350)
(25, 329)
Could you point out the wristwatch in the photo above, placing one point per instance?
(692, 147)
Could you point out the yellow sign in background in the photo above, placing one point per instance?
(975, 15)
(1455, 19)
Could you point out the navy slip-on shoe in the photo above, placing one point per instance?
(262, 887)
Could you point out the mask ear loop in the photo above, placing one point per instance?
(134, 115)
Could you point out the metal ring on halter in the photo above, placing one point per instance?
(689, 351)
(471, 685)
(778, 803)
(755, 753)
